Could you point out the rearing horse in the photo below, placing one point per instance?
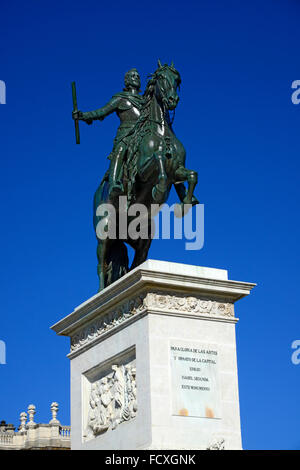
(155, 161)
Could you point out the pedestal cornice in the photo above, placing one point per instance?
(155, 287)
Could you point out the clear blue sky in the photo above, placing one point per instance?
(241, 131)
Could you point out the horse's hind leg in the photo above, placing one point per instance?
(112, 261)
(117, 261)
(102, 265)
(141, 251)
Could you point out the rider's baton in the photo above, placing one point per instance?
(75, 109)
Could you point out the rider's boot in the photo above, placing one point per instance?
(116, 188)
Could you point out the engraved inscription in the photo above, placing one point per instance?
(195, 380)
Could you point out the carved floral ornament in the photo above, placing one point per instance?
(188, 304)
(155, 301)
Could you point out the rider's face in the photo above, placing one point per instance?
(134, 80)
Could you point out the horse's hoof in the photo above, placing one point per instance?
(195, 201)
(180, 210)
(187, 201)
(192, 202)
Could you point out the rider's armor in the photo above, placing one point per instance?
(127, 105)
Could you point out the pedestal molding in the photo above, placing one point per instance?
(157, 303)
(140, 280)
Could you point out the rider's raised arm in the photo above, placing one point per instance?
(101, 113)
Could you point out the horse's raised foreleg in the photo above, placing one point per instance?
(186, 196)
(159, 191)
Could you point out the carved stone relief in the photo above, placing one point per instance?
(217, 444)
(112, 400)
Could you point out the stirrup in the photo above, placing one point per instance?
(116, 191)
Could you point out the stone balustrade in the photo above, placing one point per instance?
(31, 435)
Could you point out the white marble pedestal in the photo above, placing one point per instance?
(153, 361)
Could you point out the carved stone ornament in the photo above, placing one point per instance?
(154, 301)
(107, 322)
(217, 445)
(112, 400)
(189, 305)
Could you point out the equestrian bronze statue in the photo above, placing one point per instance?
(146, 160)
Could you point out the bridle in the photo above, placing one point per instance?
(163, 93)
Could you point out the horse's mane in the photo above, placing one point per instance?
(139, 129)
(152, 79)
(142, 126)
(148, 95)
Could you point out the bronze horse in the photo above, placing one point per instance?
(155, 160)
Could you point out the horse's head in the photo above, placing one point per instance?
(165, 82)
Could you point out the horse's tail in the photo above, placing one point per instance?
(100, 197)
(112, 254)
